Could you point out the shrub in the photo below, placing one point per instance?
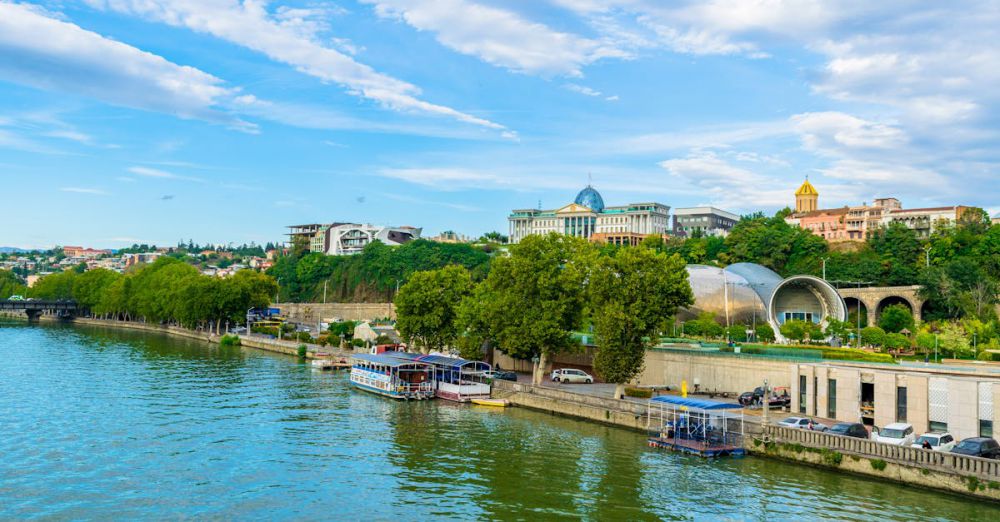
(765, 333)
(304, 337)
(873, 336)
(229, 340)
(832, 458)
(303, 350)
(877, 464)
(642, 393)
(894, 318)
(896, 341)
(357, 343)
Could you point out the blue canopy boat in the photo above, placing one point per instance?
(455, 379)
(699, 426)
(391, 376)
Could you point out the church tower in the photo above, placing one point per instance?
(806, 198)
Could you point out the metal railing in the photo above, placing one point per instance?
(905, 455)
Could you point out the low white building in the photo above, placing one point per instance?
(707, 221)
(339, 239)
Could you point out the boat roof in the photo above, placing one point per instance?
(438, 360)
(699, 404)
(385, 359)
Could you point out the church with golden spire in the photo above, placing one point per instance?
(806, 198)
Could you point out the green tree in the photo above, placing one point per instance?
(896, 341)
(799, 330)
(737, 333)
(895, 318)
(764, 333)
(873, 336)
(10, 284)
(839, 329)
(633, 292)
(532, 300)
(426, 306)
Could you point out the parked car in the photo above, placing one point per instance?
(501, 375)
(238, 330)
(572, 375)
(16, 298)
(802, 422)
(937, 441)
(897, 434)
(779, 397)
(978, 447)
(849, 429)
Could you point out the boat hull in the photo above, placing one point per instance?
(418, 395)
(496, 403)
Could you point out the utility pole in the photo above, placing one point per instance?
(824, 267)
(277, 291)
(324, 290)
(927, 256)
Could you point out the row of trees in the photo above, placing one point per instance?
(534, 299)
(167, 291)
(371, 276)
(10, 284)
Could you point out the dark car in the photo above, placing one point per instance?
(757, 396)
(978, 447)
(501, 375)
(849, 429)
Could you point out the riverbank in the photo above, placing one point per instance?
(967, 476)
(260, 343)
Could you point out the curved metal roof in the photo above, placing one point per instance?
(437, 360)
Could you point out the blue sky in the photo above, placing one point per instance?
(224, 120)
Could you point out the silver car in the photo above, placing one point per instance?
(572, 375)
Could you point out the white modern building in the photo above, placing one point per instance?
(340, 239)
(707, 221)
(588, 218)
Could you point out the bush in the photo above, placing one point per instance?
(358, 343)
(303, 350)
(304, 337)
(877, 464)
(738, 333)
(642, 393)
(229, 340)
(894, 318)
(765, 333)
(873, 336)
(896, 341)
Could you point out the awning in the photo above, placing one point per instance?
(698, 404)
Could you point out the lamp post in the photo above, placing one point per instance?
(324, 290)
(927, 256)
(824, 267)
(975, 347)
(277, 291)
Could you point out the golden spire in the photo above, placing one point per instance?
(807, 189)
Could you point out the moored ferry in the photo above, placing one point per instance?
(392, 376)
(455, 379)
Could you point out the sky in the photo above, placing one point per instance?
(155, 121)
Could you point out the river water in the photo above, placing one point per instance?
(104, 424)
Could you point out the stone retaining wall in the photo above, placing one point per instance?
(608, 411)
(312, 313)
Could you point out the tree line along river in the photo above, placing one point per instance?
(106, 424)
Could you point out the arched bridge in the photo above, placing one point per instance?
(34, 309)
(874, 299)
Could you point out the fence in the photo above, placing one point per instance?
(988, 469)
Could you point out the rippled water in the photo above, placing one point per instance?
(101, 424)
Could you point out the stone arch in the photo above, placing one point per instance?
(890, 300)
(855, 304)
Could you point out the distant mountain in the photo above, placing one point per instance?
(12, 250)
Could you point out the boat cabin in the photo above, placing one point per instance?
(455, 379)
(392, 376)
(699, 426)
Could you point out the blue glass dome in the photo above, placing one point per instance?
(591, 199)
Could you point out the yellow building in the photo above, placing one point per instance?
(806, 198)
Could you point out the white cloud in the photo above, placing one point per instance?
(499, 37)
(84, 190)
(583, 89)
(148, 172)
(43, 52)
(831, 132)
(293, 38)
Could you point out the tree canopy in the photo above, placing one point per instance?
(427, 306)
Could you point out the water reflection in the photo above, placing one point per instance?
(106, 424)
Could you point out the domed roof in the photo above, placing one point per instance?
(807, 189)
(591, 199)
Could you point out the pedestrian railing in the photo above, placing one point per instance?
(579, 398)
(988, 469)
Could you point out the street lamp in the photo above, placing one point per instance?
(824, 267)
(927, 256)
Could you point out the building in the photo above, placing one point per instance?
(338, 239)
(588, 218)
(859, 222)
(748, 293)
(962, 401)
(84, 253)
(144, 257)
(449, 236)
(707, 221)
(996, 219)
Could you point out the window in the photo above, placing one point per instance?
(831, 398)
(802, 393)
(900, 403)
(938, 426)
(985, 428)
